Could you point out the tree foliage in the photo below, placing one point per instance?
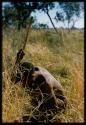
(46, 6)
(19, 13)
(43, 26)
(8, 17)
(69, 11)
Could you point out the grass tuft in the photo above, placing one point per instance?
(63, 58)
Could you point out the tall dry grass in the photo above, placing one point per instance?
(64, 58)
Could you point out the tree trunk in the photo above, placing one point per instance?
(25, 18)
(68, 25)
(73, 25)
(19, 26)
(51, 21)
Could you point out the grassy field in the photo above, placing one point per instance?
(62, 55)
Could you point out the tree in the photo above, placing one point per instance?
(69, 11)
(43, 26)
(46, 6)
(24, 11)
(18, 13)
(21, 11)
(7, 14)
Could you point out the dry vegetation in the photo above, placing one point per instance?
(63, 57)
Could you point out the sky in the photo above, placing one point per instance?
(43, 18)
